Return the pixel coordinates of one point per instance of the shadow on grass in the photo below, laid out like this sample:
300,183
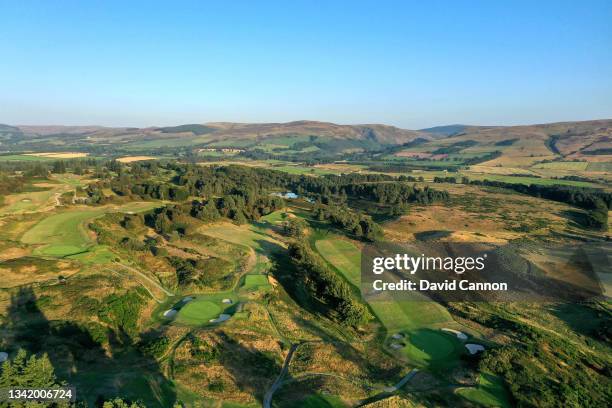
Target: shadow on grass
78,357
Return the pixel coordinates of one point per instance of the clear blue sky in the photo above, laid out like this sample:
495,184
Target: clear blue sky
410,64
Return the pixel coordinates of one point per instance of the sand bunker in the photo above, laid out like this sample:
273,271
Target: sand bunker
397,336
474,348
460,335
396,346
222,317
187,299
227,301
170,313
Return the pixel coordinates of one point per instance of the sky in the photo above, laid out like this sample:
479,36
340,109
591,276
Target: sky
411,64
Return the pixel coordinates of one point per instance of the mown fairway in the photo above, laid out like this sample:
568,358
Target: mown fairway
255,282
244,235
413,318
62,234
343,255
65,234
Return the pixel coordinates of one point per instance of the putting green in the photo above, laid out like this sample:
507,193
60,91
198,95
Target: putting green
199,312
426,345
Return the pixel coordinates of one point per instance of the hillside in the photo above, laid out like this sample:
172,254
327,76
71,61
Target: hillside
549,150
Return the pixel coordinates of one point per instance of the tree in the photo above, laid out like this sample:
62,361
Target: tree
32,372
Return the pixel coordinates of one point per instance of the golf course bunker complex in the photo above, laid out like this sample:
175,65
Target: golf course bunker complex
207,309
425,346
460,335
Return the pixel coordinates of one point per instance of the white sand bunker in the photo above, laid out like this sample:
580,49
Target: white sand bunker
396,346
227,301
460,335
474,348
222,317
170,313
3,356
397,336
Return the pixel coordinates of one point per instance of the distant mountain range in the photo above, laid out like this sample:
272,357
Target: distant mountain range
543,141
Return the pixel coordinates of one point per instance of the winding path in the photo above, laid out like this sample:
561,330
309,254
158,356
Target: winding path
267,402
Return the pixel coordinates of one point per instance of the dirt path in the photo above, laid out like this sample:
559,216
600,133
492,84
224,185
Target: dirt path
148,279
388,391
267,402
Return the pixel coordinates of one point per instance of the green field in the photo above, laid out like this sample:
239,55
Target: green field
23,157
561,165
603,166
344,256
490,392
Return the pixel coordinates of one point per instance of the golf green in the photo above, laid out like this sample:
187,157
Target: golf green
426,345
199,311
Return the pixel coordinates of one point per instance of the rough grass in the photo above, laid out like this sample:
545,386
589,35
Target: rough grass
315,401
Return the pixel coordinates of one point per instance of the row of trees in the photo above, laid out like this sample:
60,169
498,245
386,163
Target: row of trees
359,225
325,287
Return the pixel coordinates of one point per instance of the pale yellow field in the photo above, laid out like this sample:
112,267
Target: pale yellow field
131,159
59,155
